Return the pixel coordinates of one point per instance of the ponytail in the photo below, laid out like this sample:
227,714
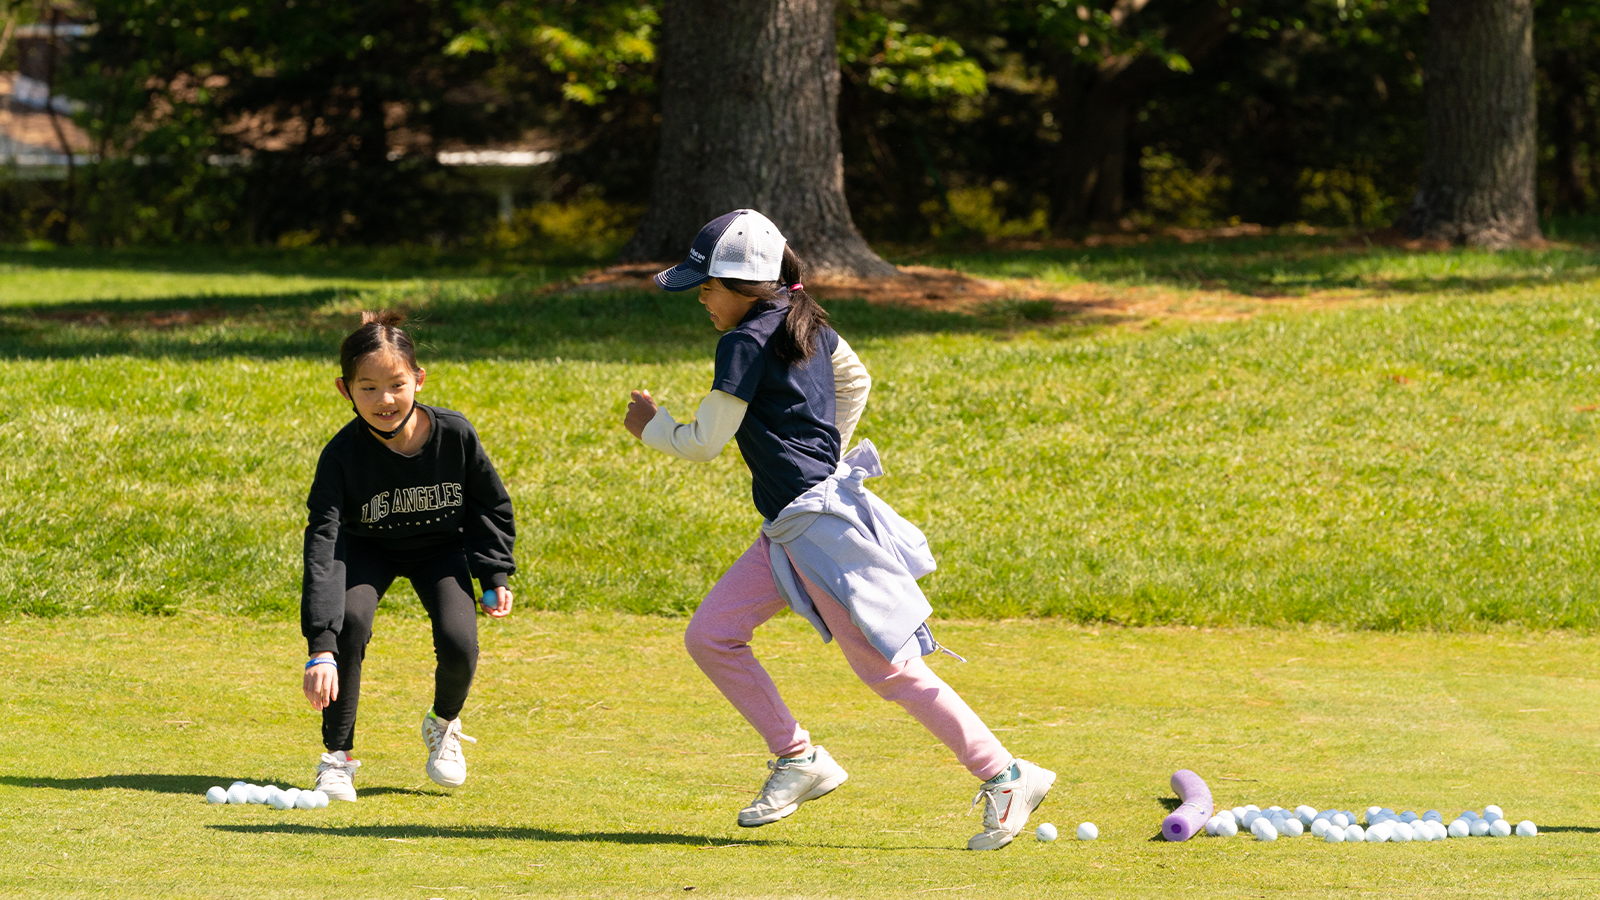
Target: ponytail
379,333
796,341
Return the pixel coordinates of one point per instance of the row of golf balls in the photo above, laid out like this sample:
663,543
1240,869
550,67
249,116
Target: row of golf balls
1383,824
243,792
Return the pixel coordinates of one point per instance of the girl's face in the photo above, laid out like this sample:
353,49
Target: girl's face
383,390
727,309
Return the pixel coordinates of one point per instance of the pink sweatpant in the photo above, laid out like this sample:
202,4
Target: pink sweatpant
718,639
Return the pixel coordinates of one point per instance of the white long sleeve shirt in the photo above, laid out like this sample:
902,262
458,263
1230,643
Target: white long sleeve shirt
720,414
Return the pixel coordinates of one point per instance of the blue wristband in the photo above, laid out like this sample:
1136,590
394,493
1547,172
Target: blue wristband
318,662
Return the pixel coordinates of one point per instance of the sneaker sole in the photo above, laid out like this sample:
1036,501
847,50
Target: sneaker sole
821,790
442,782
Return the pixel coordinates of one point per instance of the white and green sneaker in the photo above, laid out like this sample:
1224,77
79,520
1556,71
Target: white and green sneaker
336,776
446,765
792,782
1008,799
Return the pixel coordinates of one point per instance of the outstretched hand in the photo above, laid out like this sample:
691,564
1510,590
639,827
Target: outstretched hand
641,409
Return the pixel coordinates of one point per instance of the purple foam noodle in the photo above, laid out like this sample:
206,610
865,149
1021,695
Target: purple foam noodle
1192,814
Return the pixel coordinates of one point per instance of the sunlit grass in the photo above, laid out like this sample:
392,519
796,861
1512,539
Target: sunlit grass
607,766
1418,459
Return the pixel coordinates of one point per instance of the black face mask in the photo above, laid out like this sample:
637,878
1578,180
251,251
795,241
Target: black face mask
386,435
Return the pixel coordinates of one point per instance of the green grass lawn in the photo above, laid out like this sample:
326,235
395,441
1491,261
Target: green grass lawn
1417,451
1391,458
606,766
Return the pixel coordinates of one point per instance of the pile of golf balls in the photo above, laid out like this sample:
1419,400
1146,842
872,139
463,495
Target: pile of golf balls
243,792
1383,825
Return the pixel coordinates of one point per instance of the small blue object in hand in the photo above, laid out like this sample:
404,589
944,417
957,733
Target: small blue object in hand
490,600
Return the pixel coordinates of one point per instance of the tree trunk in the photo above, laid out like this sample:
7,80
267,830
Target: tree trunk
1094,105
1477,184
1567,130
749,101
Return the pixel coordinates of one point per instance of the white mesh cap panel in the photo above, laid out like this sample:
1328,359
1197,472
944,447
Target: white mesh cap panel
751,249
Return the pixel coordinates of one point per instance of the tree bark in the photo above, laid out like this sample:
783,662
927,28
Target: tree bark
1478,169
749,106
1095,103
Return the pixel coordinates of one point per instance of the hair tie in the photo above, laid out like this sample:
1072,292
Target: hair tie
797,286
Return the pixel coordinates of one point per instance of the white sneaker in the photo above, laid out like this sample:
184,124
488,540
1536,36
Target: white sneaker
336,776
446,765
1006,806
791,784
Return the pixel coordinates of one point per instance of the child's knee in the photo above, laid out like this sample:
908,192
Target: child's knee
705,640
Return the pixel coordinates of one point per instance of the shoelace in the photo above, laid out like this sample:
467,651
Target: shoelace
344,768
449,749
993,805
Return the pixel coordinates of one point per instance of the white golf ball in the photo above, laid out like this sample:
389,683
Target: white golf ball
237,783
1238,813
1469,815
1227,827
1264,830
1211,825
306,800
322,799
1408,817
1319,827
1376,834
1334,835
1480,827
1305,814
239,794
1402,833
279,800
1293,828
1251,807
258,794
1250,818
1088,832
1460,828
1526,828
1355,833
1433,815
1045,832
1372,811
1492,812
1340,820
1500,828
1228,814
216,795
291,795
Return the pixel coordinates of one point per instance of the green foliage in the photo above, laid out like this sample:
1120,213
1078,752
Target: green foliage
588,230
1176,194
895,59
595,49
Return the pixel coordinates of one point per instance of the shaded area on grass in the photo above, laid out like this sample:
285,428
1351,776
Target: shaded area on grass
1282,264
500,320
195,785
489,832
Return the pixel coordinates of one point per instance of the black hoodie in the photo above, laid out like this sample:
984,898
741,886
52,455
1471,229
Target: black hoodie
406,507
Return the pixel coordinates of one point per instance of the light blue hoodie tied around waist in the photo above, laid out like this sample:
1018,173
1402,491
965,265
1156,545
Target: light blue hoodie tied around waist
850,543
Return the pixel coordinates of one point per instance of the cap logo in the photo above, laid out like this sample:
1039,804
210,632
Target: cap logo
696,255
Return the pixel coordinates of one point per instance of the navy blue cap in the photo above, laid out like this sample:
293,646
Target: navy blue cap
753,251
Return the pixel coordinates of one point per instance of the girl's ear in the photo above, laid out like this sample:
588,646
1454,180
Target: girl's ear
422,375
343,391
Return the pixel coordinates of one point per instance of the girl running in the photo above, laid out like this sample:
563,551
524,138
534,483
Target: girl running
403,490
791,391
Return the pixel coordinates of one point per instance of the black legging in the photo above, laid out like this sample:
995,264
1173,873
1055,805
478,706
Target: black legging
444,585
